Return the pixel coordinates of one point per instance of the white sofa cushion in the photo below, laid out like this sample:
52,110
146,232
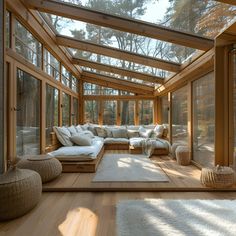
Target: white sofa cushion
72,129
63,135
81,140
145,133
119,133
78,128
116,140
133,133
158,131
101,132
136,142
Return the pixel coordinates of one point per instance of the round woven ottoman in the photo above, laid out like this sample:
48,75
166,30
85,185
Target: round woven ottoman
173,148
20,191
183,155
48,167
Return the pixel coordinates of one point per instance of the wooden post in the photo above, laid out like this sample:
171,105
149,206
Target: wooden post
2,90
43,118
190,118
170,116
136,113
118,111
81,101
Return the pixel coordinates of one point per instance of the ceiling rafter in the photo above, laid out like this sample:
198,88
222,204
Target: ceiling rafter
112,82
117,53
121,23
231,2
117,70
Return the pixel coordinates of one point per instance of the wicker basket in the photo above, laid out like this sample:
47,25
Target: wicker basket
218,177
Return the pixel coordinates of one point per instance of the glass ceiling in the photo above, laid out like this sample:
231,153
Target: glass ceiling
121,40
120,63
201,17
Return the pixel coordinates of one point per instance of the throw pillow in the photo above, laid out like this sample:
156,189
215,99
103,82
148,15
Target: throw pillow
63,135
158,131
145,133
85,126
72,129
101,132
87,133
133,133
119,133
109,132
81,140
79,129
92,128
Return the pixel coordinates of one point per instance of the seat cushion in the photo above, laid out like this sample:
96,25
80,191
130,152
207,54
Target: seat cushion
116,141
136,142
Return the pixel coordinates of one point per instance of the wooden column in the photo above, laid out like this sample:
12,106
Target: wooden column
43,118
81,101
100,112
221,105
136,113
2,91
190,118
170,116
118,111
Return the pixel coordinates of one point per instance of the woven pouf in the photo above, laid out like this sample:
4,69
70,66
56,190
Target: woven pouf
20,191
173,149
218,177
48,167
183,155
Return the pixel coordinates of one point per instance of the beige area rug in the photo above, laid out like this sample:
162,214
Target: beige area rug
176,217
128,168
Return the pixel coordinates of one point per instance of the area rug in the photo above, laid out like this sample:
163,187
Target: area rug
176,217
128,168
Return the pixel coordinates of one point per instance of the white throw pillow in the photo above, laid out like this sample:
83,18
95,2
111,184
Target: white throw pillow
85,126
79,129
81,140
133,133
63,135
119,133
145,133
72,129
87,133
101,132
158,131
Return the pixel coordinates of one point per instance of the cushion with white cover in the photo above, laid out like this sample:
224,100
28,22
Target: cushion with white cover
78,128
87,133
101,132
85,126
72,129
145,133
133,127
92,128
136,142
133,133
116,140
158,131
79,153
63,135
119,133
109,131
81,140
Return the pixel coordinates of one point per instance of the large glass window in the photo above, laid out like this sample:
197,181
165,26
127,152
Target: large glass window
180,115
74,84
204,120
27,114
109,112
51,115
66,113
145,112
65,77
27,46
75,116
8,30
165,110
51,65
127,112
91,111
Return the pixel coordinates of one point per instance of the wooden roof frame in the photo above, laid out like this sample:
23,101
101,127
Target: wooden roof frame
231,2
120,23
115,83
117,70
117,53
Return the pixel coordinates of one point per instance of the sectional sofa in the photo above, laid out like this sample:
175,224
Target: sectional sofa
80,148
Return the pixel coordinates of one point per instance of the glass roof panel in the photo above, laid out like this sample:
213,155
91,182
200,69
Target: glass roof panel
120,63
119,76
121,40
202,17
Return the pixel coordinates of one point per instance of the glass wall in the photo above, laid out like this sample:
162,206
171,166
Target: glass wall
165,110
66,113
204,120
27,46
91,111
109,112
75,116
145,108
8,28
51,115
74,84
51,65
127,112
65,77
27,114
180,115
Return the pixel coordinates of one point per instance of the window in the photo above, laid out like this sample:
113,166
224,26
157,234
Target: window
91,111
204,120
165,110
65,77
27,114
27,46
75,85
180,115
109,112
127,112
66,113
8,30
51,115
75,115
145,108
51,65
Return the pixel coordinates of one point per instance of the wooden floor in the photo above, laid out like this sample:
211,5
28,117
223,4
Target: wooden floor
182,178
84,214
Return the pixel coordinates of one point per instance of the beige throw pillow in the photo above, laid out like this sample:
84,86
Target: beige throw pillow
81,140
145,133
101,132
119,133
63,135
133,133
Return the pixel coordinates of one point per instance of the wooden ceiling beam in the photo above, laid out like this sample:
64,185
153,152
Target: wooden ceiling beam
111,82
120,23
117,70
231,2
117,53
